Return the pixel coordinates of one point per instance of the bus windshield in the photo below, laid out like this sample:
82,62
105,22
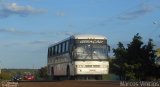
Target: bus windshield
91,51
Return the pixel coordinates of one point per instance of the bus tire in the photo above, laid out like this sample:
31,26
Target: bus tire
52,73
68,73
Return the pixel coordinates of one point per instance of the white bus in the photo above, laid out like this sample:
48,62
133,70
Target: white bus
79,57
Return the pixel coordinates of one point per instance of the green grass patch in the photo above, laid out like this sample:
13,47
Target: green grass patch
110,77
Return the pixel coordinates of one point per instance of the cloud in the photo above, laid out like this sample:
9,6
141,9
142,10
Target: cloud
60,14
66,33
14,31
7,30
40,42
136,13
14,9
12,43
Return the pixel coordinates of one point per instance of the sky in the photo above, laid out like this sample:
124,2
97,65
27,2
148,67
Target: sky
28,27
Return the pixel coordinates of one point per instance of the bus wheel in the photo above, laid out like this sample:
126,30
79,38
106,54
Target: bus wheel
68,73
52,73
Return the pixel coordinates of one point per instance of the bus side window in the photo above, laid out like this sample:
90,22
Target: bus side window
56,50
48,52
59,49
53,50
67,45
63,48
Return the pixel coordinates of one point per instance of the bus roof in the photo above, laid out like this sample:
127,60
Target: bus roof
88,36
82,36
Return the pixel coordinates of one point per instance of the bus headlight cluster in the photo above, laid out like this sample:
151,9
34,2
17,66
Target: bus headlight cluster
104,66
80,66
80,70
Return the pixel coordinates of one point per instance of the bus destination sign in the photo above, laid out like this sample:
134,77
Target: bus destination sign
92,41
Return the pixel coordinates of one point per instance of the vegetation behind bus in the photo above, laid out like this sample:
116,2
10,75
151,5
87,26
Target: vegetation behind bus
136,62
8,74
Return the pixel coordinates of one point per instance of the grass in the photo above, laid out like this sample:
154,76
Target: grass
110,77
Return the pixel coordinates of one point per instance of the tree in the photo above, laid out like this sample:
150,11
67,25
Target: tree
148,63
5,76
42,73
118,63
137,61
134,58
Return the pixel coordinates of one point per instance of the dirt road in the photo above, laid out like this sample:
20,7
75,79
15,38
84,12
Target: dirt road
70,84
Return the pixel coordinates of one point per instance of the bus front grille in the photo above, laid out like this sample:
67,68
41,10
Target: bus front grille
92,66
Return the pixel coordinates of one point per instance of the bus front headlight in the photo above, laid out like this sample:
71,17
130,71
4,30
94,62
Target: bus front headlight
104,66
79,66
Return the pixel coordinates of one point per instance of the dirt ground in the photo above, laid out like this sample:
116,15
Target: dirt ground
70,84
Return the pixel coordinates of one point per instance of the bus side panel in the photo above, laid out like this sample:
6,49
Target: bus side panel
60,65
61,69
